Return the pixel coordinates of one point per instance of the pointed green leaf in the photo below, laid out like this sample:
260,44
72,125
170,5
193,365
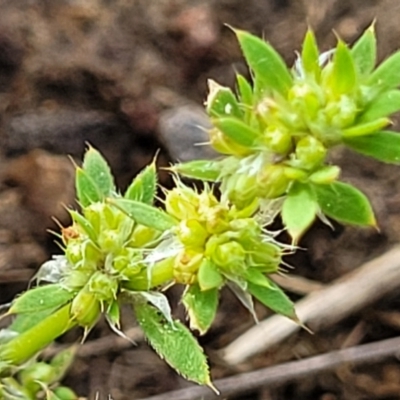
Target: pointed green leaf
221,102
86,190
256,277
270,71
237,130
245,92
345,203
113,314
143,188
387,75
342,78
208,275
201,307
366,128
274,298
96,167
299,210
174,343
23,322
199,169
364,52
383,105
41,298
310,55
383,146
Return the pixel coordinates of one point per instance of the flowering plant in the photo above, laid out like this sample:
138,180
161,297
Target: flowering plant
274,137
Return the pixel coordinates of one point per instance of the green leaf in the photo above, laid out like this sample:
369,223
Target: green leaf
366,128
23,322
221,102
383,146
208,275
273,297
310,55
270,71
143,188
299,210
41,298
201,307
256,277
342,78
387,75
61,362
345,203
84,224
96,167
237,130
245,96
364,52
174,343
384,105
86,190
144,214
199,169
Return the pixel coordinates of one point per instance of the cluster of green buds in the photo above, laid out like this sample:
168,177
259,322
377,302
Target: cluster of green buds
40,380
275,135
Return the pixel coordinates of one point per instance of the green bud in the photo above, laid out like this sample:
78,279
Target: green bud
325,175
85,308
241,189
143,236
77,278
36,374
74,252
103,286
65,393
217,220
295,174
192,233
272,181
278,140
186,265
225,145
309,152
230,257
265,255
247,229
182,203
110,241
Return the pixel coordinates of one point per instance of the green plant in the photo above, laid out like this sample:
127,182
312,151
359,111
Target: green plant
274,137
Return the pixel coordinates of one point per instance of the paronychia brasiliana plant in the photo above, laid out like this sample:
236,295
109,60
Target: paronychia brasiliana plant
273,135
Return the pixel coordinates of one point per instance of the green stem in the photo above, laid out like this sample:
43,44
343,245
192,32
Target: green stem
30,342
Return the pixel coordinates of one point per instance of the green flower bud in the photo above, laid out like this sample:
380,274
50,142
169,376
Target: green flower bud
77,278
182,203
241,189
225,145
110,241
295,174
143,236
186,265
272,181
325,175
74,252
265,255
36,374
94,214
247,229
278,140
230,257
309,152
343,112
103,286
192,233
216,221
306,99
85,308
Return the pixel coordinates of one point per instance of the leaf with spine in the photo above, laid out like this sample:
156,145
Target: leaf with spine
364,52
345,203
366,128
269,69
310,55
273,297
245,92
237,130
387,75
160,302
208,275
84,224
204,170
143,188
383,146
86,190
97,168
144,214
174,343
299,210
342,77
41,298
221,102
201,306
383,105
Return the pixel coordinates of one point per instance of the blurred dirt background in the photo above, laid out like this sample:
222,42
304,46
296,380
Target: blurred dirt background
129,77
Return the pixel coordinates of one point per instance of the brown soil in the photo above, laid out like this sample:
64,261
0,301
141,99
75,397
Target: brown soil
121,74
